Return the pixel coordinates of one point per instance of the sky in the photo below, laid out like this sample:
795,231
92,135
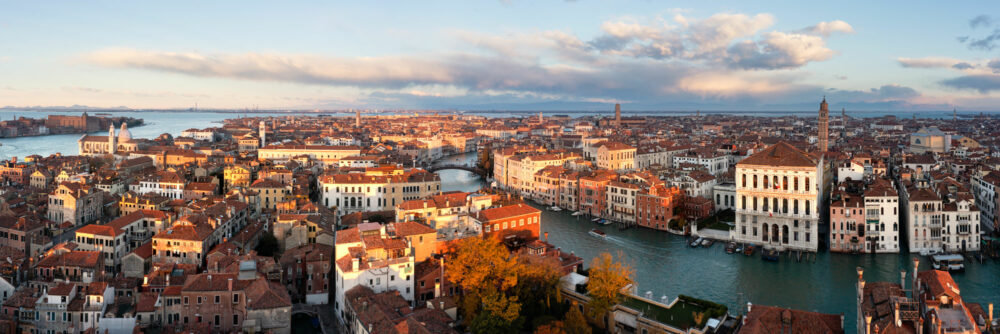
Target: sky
502,55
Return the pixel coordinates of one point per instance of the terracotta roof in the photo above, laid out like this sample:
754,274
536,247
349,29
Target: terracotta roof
405,229
506,212
780,154
770,319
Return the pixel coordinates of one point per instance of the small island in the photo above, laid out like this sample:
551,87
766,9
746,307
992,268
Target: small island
62,124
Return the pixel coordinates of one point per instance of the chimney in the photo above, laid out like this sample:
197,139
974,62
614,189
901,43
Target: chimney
230,287
895,316
437,290
441,303
868,323
915,289
989,316
354,264
546,236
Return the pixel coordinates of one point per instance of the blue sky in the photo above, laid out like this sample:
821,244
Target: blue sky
648,55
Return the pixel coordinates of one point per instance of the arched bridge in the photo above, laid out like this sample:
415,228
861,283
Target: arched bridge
474,170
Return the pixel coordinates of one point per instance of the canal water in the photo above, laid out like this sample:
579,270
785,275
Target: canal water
666,266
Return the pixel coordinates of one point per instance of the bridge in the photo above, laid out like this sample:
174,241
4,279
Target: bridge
474,170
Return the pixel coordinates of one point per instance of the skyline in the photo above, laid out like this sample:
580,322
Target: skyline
503,55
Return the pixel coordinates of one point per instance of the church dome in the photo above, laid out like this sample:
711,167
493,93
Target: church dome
124,135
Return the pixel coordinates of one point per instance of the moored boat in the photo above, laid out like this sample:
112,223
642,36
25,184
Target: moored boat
731,247
577,213
771,255
697,242
707,243
598,233
748,250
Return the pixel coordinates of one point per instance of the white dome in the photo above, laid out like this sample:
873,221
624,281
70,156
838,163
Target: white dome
124,135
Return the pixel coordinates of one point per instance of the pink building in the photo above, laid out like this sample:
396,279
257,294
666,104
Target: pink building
847,223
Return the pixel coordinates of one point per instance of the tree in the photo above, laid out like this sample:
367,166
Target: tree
482,264
500,314
555,327
486,272
607,278
268,245
575,322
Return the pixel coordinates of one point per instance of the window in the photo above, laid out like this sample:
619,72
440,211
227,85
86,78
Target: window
236,298
185,303
236,319
199,300
218,299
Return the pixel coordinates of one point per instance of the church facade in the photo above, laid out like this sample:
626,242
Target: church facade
111,144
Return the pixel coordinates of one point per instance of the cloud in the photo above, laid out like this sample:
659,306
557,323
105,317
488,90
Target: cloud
779,50
885,93
962,66
929,62
981,21
982,83
987,43
994,65
722,57
828,28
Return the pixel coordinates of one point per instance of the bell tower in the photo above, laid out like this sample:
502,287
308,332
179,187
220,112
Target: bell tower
112,144
824,122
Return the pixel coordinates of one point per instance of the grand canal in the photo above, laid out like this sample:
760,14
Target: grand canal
666,266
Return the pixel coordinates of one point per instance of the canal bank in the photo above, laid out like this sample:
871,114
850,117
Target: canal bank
665,265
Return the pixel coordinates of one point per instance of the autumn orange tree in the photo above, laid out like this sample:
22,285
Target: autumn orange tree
554,327
607,278
487,273
575,322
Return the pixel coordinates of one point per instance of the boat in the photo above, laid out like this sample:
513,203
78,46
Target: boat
948,262
598,233
697,242
929,252
707,243
748,250
578,213
731,247
596,220
771,255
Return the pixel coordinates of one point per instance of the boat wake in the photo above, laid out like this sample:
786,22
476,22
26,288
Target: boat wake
637,246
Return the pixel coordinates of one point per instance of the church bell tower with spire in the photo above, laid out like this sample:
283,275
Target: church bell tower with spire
824,122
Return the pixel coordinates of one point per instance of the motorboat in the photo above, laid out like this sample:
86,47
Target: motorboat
731,247
577,213
555,208
748,250
771,255
598,233
929,252
596,220
948,262
697,242
707,243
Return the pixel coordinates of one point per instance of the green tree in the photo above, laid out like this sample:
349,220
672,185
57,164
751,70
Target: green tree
607,278
268,245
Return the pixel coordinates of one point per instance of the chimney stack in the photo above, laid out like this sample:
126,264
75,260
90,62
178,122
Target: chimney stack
354,264
437,290
230,284
990,316
546,237
915,289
